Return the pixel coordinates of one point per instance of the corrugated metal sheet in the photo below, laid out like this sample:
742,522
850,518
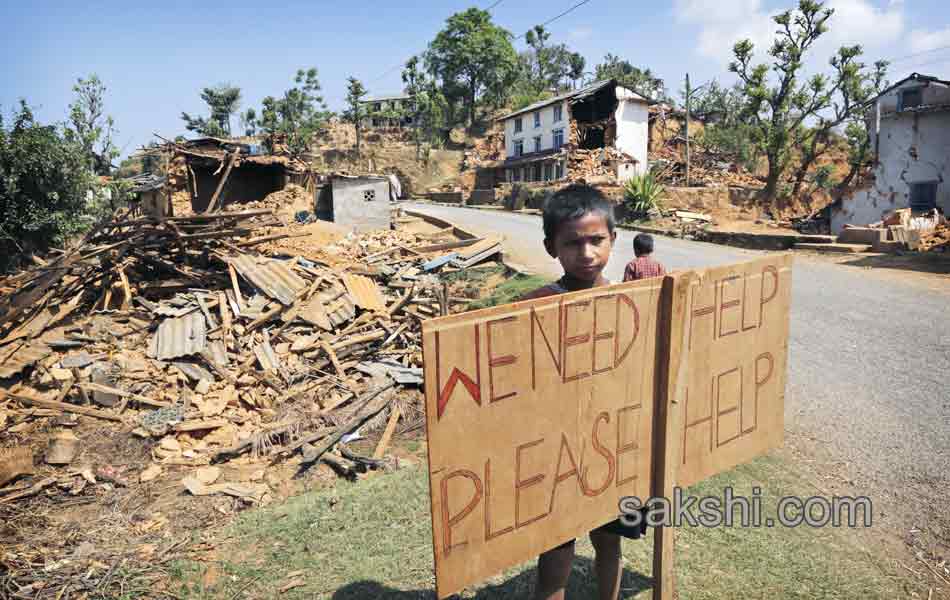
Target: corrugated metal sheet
266,356
339,310
19,357
272,277
179,336
365,292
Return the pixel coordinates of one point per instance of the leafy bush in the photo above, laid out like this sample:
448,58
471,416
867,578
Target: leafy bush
642,193
46,186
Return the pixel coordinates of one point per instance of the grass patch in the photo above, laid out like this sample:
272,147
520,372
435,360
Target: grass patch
510,290
372,539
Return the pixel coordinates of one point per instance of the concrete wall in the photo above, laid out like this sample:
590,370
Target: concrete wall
633,132
361,203
529,131
913,147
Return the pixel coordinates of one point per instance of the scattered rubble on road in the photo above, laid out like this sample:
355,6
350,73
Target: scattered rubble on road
904,230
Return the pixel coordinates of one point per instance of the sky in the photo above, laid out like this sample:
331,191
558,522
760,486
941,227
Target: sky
154,58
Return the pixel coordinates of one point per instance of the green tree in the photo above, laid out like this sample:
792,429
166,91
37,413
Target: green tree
779,111
414,80
356,110
642,81
45,185
90,127
249,121
223,100
298,114
547,67
472,57
727,134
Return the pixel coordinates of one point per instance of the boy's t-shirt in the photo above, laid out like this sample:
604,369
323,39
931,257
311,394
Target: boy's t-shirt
551,289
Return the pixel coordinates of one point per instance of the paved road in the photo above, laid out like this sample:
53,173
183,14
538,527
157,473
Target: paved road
868,393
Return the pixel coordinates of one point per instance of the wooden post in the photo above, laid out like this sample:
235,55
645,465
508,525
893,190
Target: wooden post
672,370
213,205
688,92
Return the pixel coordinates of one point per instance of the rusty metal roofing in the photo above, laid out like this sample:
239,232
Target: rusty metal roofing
179,336
17,357
271,277
365,292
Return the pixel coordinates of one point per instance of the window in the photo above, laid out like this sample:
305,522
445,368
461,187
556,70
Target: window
369,195
537,172
558,139
557,112
518,125
537,119
547,171
519,147
558,170
525,173
923,196
537,143
377,106
516,174
910,98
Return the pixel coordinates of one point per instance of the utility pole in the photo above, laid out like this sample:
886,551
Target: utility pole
688,92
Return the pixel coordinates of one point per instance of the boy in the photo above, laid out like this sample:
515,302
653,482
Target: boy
579,233
643,266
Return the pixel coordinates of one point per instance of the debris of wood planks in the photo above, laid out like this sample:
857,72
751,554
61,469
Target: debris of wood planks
205,344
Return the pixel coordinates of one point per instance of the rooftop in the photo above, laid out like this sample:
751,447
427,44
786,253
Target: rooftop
385,97
574,95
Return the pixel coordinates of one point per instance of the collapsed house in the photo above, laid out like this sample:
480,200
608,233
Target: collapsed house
217,172
597,132
909,130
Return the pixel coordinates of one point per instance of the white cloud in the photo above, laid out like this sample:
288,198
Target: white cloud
922,41
580,33
724,22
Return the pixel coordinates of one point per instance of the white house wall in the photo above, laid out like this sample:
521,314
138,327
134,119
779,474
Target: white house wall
529,131
632,118
914,148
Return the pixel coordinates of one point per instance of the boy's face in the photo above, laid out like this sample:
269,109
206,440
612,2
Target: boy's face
582,246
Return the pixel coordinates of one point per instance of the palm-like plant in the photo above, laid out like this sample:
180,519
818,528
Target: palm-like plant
642,193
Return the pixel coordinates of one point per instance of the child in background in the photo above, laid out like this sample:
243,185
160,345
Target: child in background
579,233
643,266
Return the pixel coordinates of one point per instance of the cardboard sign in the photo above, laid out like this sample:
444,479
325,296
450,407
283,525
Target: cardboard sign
539,418
541,415
737,341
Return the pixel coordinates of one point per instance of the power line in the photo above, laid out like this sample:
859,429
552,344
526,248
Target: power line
393,68
553,19
901,58
493,5
930,62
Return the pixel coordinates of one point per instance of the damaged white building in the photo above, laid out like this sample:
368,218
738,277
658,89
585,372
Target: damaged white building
599,130
909,130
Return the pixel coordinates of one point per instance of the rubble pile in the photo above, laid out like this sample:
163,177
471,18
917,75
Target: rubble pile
936,240
179,327
589,164
704,170
921,232
198,345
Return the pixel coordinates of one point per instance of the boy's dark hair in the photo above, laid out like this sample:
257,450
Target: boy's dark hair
643,244
573,202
